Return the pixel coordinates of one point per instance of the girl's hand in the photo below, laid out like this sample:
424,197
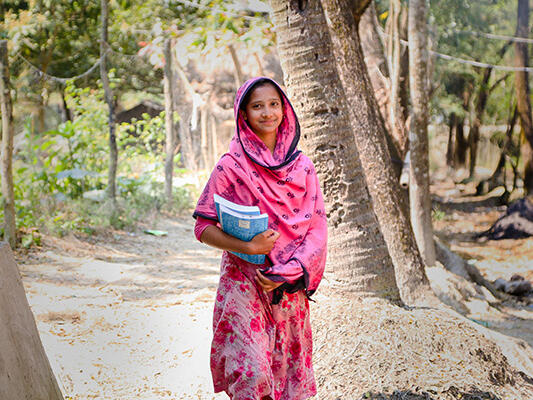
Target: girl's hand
265,283
263,242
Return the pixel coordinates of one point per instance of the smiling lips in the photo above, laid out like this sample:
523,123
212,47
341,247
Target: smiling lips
268,122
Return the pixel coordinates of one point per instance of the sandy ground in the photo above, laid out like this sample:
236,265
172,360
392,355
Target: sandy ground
128,315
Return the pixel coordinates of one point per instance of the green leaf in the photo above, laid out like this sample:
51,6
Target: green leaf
156,232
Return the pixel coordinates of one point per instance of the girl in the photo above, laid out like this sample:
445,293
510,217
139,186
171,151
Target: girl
262,344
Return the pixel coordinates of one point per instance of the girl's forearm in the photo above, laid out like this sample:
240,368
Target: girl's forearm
215,237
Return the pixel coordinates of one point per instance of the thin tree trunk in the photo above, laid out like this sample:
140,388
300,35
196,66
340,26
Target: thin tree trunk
170,141
481,102
204,140
8,132
396,115
188,152
375,158
214,139
41,112
259,64
239,77
358,259
523,94
108,94
404,71
26,371
379,76
419,196
452,123
66,111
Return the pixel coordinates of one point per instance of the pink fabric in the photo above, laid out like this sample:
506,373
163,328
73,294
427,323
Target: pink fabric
201,224
260,348
284,185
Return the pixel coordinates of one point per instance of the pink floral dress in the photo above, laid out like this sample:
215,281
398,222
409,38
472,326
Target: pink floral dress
262,342
259,349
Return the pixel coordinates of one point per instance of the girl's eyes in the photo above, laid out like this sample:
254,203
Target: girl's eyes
273,104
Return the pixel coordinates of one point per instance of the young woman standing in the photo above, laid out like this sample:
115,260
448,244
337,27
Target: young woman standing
262,344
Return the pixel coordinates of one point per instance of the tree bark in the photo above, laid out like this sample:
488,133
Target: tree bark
379,76
8,132
108,94
358,259
204,139
523,94
170,140
239,77
370,140
25,371
473,135
419,196
183,86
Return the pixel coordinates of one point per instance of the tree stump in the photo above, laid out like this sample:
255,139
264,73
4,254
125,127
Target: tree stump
25,371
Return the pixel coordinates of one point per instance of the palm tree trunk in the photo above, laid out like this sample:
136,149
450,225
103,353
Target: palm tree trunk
358,259
369,133
419,196
522,94
8,132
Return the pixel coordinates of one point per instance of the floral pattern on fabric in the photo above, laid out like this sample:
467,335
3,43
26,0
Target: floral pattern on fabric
259,349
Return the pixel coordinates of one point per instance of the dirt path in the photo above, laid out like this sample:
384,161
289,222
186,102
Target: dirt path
126,317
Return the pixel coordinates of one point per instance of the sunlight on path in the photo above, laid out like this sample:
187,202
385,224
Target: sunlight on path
127,330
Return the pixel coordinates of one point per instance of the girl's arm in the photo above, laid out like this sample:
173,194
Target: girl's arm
260,244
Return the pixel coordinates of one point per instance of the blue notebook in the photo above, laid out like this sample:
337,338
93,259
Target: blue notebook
243,222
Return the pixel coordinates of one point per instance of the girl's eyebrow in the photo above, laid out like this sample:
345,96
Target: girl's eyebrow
260,101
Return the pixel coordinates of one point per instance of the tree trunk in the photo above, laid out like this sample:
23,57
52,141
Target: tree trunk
419,196
379,76
8,132
259,64
522,94
65,111
170,140
113,152
239,77
452,122
481,102
188,153
204,140
25,370
214,139
358,259
370,140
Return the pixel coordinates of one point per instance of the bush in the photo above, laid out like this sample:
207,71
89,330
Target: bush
60,176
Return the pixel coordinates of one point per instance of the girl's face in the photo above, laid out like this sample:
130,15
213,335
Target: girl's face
264,111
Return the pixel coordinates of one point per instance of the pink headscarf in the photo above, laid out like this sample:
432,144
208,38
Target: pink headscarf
283,184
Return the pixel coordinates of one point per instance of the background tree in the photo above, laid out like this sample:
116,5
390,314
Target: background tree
108,95
419,196
523,93
8,196
357,251
170,139
370,138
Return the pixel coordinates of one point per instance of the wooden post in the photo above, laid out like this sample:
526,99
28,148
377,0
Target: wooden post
170,142
108,94
25,371
8,196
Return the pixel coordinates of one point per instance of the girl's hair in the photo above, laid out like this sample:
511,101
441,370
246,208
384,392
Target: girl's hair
259,83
